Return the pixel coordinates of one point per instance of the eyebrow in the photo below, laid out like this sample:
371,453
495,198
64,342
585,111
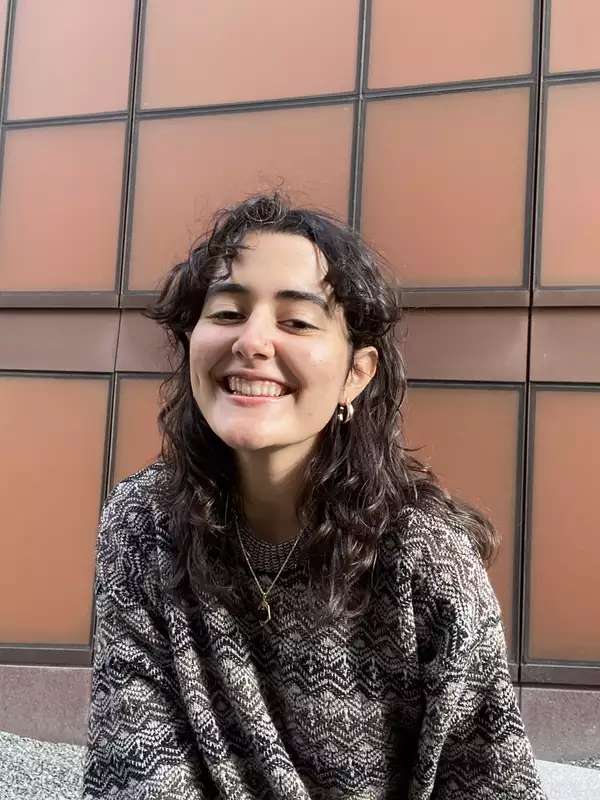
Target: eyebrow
284,294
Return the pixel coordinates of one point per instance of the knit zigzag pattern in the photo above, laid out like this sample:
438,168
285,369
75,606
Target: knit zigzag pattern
414,700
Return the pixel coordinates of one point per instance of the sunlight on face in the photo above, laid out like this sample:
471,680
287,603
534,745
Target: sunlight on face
262,328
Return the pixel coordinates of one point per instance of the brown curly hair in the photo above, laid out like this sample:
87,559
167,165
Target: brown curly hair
360,477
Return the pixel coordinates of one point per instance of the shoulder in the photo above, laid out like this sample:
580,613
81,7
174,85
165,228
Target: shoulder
426,538
440,560
126,554
138,490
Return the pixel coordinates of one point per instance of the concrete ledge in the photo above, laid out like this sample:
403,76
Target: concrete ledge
49,704
562,724
564,782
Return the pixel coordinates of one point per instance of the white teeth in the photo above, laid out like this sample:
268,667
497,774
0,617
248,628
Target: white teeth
254,388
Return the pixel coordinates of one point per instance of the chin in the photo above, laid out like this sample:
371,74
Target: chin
247,440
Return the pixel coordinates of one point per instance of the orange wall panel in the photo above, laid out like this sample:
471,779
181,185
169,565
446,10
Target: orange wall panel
53,435
60,206
3,18
470,438
570,243
415,42
565,519
226,51
574,35
74,60
137,440
188,167
444,186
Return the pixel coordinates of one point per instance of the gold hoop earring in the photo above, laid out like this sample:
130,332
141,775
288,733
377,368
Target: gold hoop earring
345,412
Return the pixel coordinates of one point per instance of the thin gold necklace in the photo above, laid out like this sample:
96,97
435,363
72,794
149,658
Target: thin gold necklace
264,609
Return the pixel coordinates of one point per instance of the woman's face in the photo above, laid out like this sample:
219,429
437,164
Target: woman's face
269,356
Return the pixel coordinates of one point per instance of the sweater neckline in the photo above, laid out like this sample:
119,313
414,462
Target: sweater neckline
268,556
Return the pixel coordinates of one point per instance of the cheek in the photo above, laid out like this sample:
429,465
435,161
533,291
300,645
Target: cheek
325,371
205,352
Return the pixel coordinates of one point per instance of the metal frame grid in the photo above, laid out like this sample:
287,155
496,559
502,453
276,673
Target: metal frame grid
528,295
360,97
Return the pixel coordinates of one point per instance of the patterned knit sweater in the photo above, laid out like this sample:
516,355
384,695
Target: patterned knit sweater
413,700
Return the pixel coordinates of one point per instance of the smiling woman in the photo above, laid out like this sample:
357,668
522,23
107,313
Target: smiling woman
274,319
289,604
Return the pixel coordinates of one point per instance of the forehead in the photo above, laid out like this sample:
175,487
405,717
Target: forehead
276,263
281,258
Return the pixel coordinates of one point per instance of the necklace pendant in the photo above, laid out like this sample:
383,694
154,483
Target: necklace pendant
264,611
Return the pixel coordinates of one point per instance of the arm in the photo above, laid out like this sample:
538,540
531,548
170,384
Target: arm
472,742
140,745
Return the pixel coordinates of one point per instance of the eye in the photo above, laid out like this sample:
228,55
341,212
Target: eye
234,316
299,324
225,315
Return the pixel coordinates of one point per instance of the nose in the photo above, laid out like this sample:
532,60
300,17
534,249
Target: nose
255,339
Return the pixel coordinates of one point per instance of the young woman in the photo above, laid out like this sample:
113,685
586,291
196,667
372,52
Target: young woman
289,605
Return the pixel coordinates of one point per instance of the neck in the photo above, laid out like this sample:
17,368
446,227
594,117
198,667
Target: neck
270,484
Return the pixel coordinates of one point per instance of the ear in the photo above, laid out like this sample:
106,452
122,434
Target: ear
363,368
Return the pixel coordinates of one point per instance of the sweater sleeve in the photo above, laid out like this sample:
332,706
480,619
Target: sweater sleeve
140,745
472,742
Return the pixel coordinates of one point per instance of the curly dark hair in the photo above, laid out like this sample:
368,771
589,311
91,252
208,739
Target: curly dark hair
359,478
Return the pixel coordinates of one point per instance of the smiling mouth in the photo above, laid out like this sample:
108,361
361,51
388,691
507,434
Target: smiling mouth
260,389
